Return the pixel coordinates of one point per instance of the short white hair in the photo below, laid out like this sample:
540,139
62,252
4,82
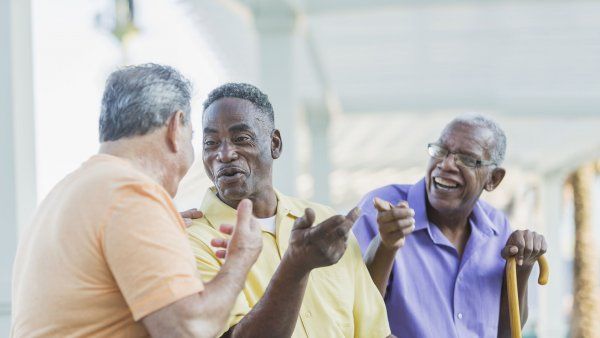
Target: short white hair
473,119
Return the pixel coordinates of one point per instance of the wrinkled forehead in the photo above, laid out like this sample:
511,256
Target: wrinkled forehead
229,111
467,138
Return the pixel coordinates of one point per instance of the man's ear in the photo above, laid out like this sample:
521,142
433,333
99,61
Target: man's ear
276,144
174,128
495,179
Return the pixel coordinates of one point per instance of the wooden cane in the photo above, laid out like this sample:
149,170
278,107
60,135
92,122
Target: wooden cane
513,295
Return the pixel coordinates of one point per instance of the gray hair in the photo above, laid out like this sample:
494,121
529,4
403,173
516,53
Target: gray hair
139,99
243,91
498,151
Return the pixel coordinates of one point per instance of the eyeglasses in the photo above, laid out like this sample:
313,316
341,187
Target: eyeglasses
438,152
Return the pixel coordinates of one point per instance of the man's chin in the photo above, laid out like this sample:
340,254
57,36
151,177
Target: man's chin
232,193
443,206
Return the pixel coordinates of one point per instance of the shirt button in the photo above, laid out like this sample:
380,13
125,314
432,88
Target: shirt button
459,315
307,315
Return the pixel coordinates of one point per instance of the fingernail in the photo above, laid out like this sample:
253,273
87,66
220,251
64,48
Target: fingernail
246,204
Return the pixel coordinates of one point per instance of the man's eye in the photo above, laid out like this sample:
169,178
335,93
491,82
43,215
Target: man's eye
468,160
242,139
440,153
209,143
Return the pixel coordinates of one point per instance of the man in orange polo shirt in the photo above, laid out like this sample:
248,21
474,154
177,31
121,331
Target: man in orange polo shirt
107,254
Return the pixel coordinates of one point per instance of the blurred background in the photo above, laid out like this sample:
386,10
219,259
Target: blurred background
359,88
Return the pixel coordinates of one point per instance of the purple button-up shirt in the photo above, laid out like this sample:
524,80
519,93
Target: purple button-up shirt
432,292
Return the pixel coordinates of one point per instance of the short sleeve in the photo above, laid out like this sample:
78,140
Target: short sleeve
209,266
147,251
370,314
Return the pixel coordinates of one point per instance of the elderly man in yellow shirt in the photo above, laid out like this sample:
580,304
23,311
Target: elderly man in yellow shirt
310,280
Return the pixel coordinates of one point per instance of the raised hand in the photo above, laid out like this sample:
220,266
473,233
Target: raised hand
526,246
321,245
394,222
246,238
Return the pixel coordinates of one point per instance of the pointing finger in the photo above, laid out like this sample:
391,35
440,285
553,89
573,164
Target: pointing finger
381,205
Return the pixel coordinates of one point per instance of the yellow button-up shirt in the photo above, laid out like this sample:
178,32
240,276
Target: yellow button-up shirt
340,300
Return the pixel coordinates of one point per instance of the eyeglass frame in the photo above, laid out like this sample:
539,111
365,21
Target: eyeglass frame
478,163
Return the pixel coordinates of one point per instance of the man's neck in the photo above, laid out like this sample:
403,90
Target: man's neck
265,205
145,158
455,227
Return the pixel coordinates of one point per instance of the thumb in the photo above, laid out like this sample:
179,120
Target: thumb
509,250
381,205
305,221
244,214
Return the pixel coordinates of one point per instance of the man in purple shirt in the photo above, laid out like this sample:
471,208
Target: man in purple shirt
447,278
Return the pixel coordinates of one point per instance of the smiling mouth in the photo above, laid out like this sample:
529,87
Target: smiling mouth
444,184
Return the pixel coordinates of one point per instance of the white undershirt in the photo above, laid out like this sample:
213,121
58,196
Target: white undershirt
267,224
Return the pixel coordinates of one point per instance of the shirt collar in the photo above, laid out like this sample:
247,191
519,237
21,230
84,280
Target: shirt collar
481,220
286,207
417,200
217,212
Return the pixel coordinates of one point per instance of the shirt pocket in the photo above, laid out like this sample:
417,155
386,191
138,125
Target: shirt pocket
334,291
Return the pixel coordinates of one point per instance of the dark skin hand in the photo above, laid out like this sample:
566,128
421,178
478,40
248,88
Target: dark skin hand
190,215
526,246
310,247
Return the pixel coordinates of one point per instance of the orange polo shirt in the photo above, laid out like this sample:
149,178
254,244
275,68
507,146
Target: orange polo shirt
106,248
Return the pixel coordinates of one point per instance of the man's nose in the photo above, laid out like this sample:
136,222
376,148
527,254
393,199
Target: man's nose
227,153
448,163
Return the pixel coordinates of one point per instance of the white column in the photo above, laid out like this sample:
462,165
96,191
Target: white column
17,148
552,318
317,116
275,22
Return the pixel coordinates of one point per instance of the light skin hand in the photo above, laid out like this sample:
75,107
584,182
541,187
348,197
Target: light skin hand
222,243
205,314
329,238
246,241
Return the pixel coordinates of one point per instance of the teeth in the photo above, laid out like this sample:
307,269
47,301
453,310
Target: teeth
445,183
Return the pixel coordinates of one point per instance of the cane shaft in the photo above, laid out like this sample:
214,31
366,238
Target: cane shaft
513,298
513,291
